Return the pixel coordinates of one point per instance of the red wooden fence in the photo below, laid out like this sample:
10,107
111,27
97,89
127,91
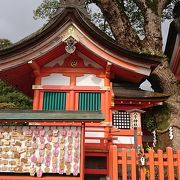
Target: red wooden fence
125,164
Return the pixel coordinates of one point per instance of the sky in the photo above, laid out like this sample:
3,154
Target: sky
16,19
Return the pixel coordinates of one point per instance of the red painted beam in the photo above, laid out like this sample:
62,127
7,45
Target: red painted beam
96,171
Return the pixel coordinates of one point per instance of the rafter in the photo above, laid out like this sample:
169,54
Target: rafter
35,67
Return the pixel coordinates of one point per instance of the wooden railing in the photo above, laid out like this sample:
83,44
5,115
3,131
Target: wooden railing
127,164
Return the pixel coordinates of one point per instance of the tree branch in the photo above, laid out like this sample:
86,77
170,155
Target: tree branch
162,5
119,23
152,25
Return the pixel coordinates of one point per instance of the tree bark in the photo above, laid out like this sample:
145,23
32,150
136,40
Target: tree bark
119,24
152,12
169,84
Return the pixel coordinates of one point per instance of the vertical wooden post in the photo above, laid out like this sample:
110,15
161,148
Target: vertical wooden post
178,163
139,136
76,100
160,165
133,164
41,99
124,164
68,100
72,97
103,103
151,165
36,99
142,173
82,158
135,115
110,162
170,163
107,104
113,162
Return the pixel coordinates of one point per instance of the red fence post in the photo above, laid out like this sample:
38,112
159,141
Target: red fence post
158,160
160,165
133,164
110,162
170,163
124,164
82,152
113,162
178,163
142,173
151,165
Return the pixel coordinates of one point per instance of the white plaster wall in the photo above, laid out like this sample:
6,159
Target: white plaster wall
56,79
93,134
124,140
59,61
89,80
88,61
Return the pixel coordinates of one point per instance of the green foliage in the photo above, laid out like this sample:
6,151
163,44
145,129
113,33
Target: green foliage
10,98
99,20
5,43
135,16
149,121
168,12
47,9
156,117
162,116
7,106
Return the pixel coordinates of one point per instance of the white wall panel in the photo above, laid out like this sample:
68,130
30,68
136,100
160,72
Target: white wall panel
89,80
56,79
124,140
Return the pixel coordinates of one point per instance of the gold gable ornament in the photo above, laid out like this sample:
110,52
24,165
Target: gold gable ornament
70,45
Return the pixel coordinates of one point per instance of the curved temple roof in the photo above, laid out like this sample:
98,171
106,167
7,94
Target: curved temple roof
50,41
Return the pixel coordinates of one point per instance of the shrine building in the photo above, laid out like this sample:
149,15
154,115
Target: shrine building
86,99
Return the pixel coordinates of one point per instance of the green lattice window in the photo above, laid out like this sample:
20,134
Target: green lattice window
89,101
54,101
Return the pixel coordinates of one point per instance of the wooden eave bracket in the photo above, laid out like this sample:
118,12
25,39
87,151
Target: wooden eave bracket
34,87
108,69
35,67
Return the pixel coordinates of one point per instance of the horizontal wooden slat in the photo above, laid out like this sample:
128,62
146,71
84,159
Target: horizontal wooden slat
96,171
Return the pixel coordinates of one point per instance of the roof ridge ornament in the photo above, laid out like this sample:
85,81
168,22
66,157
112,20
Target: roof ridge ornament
78,4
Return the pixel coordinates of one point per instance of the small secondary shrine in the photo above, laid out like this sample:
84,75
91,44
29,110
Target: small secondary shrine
85,99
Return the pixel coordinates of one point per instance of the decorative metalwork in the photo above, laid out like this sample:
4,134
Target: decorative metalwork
73,63
70,48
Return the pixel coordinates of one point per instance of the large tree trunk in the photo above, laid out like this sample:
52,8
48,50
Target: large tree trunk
169,84
152,44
